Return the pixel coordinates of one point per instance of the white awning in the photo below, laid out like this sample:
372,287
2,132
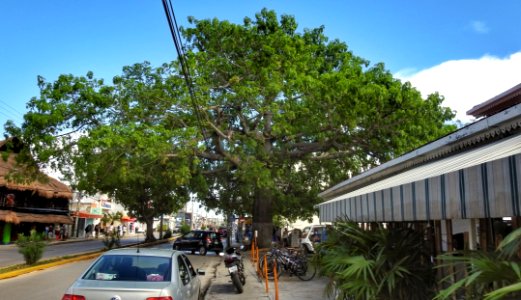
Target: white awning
468,159
479,183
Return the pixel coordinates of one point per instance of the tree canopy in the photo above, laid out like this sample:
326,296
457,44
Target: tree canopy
275,116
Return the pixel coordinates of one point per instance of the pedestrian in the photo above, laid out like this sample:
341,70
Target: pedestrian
97,230
51,231
88,231
46,232
57,232
63,232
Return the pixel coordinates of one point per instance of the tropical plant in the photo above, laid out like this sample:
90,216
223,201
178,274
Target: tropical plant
110,218
168,234
185,228
380,263
485,275
31,246
111,239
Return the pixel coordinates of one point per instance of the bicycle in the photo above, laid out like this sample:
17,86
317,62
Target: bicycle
289,261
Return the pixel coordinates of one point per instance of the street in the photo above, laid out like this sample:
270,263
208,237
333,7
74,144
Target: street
51,283
9,253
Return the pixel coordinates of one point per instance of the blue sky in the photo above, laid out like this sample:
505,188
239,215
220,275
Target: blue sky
469,51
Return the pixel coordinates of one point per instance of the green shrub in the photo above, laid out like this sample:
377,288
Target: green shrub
482,274
380,263
165,227
31,247
185,228
167,234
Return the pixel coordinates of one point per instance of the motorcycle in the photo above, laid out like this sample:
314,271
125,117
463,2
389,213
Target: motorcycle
233,262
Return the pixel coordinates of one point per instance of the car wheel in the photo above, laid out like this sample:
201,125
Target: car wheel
202,250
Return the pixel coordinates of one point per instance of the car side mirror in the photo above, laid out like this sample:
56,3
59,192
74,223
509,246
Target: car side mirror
201,272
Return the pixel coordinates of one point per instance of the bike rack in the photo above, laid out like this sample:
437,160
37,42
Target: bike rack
263,274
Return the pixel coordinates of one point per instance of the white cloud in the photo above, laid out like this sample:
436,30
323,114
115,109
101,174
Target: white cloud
469,82
479,27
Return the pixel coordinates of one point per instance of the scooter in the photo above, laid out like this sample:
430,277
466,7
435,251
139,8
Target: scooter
233,262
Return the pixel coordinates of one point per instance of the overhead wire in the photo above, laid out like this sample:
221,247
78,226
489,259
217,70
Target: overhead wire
10,112
176,36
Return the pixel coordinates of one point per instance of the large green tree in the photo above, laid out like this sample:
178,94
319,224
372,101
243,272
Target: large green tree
278,113
117,139
289,113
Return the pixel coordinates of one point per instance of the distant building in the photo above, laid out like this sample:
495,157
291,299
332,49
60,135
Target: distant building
28,205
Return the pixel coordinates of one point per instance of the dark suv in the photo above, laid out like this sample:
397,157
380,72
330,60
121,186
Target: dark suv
199,240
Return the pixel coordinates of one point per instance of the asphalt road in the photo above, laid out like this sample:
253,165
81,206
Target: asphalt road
9,253
51,283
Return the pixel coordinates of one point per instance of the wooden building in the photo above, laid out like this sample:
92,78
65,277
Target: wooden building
27,205
465,186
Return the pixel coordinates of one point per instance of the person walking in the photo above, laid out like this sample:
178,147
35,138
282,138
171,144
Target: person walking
97,230
63,233
57,232
88,231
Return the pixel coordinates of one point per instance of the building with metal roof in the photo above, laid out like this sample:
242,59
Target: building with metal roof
466,184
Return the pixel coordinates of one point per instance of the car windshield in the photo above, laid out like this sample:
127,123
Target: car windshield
130,268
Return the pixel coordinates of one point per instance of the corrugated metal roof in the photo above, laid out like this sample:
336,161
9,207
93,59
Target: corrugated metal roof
490,152
461,140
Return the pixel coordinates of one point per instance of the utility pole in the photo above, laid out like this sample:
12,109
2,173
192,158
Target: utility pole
75,231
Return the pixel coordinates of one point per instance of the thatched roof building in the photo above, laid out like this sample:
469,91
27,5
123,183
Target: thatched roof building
31,192
50,189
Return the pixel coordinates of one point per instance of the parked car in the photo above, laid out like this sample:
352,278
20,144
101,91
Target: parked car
143,273
311,235
201,241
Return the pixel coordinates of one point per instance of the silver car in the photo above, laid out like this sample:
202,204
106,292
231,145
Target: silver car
132,274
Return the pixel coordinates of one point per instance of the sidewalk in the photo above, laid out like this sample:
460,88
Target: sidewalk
290,288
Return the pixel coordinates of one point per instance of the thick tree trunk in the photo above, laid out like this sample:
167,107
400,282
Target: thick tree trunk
263,217
150,230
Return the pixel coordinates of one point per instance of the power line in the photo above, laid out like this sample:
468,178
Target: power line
11,108
174,30
10,112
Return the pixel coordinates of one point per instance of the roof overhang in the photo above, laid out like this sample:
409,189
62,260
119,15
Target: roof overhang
463,160
19,217
498,103
128,219
86,215
477,134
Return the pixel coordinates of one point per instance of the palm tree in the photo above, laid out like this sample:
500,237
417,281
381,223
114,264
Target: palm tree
381,263
111,238
487,275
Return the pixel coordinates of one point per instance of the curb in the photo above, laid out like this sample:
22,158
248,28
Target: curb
25,270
